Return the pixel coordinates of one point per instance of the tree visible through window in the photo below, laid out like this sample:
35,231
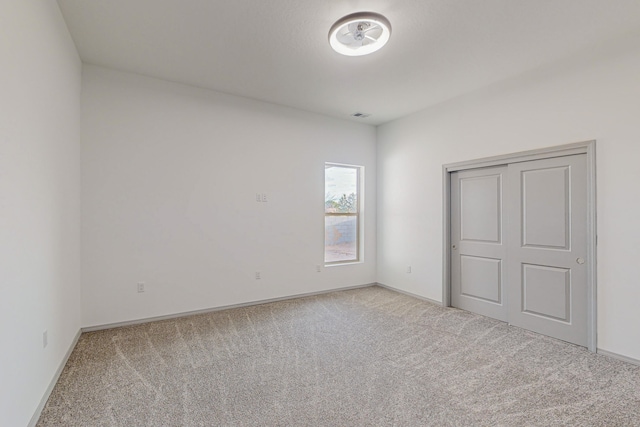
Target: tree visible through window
341,213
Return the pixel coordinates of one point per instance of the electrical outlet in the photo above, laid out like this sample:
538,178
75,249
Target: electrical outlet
140,287
264,197
257,275
409,269
258,197
45,339
318,268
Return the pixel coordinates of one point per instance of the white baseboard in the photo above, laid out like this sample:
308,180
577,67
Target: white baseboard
391,288
54,380
618,356
213,309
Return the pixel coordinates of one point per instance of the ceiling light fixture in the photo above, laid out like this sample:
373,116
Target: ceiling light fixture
360,33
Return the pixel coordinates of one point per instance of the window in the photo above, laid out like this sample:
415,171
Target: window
341,213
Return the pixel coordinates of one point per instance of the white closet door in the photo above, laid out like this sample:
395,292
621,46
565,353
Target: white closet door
547,247
478,244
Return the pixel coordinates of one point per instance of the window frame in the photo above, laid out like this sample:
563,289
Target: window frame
358,214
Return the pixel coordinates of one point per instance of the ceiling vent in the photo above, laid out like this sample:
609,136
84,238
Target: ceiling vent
360,115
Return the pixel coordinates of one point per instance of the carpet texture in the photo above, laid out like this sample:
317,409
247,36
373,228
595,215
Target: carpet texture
364,357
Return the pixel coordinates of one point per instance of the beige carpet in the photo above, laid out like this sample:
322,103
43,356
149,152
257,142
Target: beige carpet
366,357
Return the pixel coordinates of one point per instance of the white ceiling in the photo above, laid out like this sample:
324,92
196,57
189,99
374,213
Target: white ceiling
277,50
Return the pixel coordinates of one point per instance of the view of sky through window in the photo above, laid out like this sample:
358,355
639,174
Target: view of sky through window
339,181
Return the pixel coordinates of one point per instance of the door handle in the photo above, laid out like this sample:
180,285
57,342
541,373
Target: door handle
580,261
454,247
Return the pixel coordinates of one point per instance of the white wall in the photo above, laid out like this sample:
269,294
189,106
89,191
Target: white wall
39,202
169,178
578,100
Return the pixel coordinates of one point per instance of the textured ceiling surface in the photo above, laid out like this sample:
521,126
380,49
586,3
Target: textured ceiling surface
277,50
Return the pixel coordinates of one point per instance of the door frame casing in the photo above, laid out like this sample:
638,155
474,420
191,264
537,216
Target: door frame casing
586,147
